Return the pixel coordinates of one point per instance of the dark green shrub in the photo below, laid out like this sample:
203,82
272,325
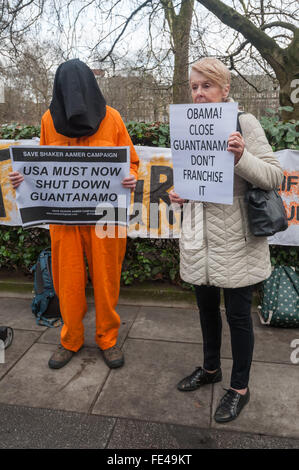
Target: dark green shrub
151,259
280,134
19,248
285,255
155,134
16,131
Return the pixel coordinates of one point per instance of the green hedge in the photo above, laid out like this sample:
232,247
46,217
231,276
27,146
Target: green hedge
280,134
19,248
146,259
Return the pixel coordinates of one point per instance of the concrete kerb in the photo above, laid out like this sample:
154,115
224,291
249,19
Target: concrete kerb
146,294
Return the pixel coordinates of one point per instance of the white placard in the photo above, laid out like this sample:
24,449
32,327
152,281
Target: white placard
71,185
203,168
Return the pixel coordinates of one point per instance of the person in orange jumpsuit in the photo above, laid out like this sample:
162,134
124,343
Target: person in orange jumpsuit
78,116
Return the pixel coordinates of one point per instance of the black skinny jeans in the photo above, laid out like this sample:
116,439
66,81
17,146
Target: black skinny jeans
238,312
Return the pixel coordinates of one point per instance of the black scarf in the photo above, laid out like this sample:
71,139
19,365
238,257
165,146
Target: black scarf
78,106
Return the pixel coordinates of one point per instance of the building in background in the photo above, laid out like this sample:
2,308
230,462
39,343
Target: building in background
137,97
255,100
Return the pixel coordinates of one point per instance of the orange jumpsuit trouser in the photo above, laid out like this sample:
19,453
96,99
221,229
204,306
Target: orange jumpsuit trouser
104,256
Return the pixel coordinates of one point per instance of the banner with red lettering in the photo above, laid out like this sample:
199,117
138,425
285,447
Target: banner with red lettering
289,191
150,212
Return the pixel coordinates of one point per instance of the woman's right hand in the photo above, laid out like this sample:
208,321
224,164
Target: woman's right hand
16,179
175,198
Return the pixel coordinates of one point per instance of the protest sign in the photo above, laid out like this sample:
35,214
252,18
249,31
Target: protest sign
71,185
203,168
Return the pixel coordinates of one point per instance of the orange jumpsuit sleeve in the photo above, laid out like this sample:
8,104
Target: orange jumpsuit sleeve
125,140
42,139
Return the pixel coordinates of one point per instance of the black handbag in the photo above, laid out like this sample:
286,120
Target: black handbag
266,212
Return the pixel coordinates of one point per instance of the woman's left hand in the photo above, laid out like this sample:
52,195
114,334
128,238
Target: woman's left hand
236,145
129,182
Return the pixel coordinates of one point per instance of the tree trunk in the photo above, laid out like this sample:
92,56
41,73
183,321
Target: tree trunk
289,83
180,26
284,62
180,90
286,93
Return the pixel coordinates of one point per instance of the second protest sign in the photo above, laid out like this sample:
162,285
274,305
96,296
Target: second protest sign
203,168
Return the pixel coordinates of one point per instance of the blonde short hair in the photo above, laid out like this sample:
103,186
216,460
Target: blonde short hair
213,69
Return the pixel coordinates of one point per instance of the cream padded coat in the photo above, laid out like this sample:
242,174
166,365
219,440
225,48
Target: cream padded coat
216,246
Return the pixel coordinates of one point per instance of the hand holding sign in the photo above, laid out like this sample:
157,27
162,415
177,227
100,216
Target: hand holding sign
16,179
129,182
175,198
236,145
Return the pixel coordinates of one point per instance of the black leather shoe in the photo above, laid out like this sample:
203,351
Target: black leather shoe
198,378
230,406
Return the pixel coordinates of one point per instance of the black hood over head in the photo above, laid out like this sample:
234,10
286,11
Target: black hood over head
78,106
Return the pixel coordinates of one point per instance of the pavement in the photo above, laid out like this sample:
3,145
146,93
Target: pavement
85,405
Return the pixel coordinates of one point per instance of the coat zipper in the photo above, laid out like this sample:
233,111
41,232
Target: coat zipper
206,239
243,219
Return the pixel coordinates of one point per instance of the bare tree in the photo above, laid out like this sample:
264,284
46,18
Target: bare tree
28,78
170,31
169,25
180,27
178,16
270,27
16,18
105,32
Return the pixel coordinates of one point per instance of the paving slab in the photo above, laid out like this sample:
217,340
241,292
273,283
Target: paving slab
146,387
169,324
274,344
74,387
177,324
133,434
17,313
22,341
274,405
127,316
270,345
33,428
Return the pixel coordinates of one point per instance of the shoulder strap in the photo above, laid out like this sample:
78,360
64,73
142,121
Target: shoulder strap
293,277
43,261
44,272
238,122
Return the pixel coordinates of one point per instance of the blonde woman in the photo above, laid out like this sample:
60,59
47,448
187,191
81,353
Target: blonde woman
228,255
